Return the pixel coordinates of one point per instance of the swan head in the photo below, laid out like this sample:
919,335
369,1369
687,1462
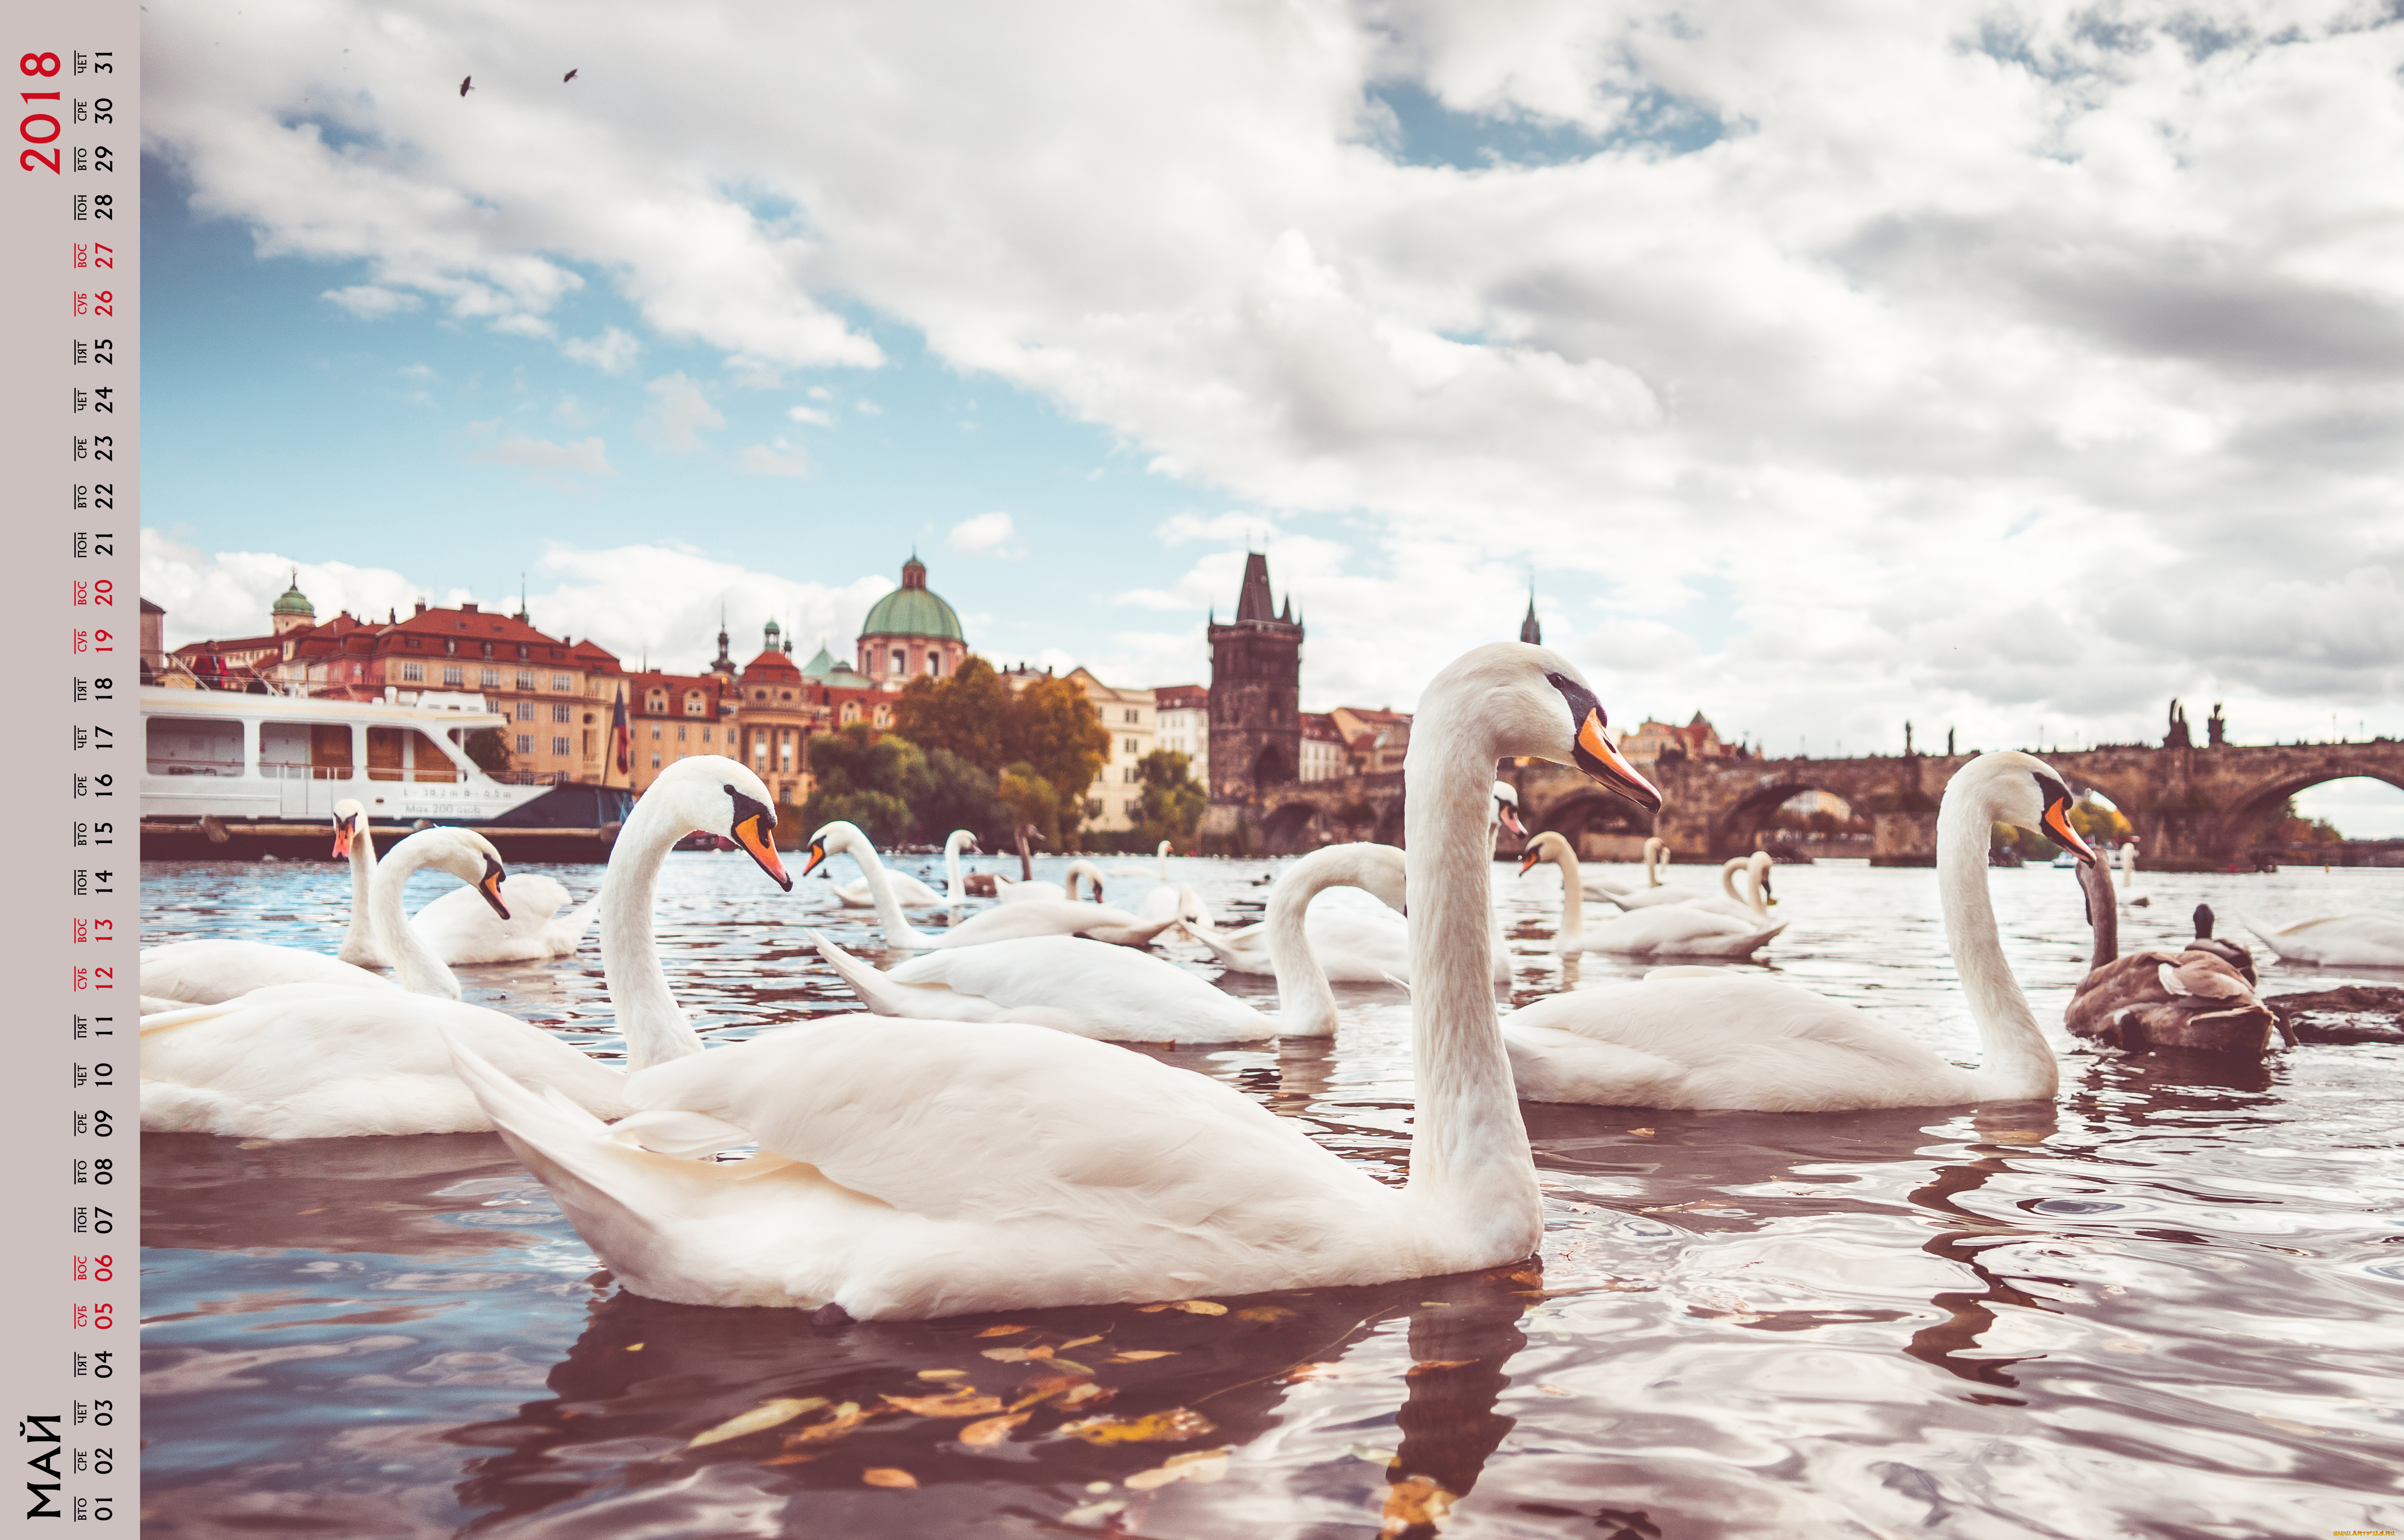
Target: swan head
348,815
2024,791
1547,845
466,855
838,838
1534,703
718,796
1506,809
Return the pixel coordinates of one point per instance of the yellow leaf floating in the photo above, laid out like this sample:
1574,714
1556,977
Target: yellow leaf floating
839,1421
1413,1503
942,1374
1004,1331
1431,1366
1071,1390
1140,1355
1641,1133
1200,1465
1076,1342
1007,1356
1302,1372
963,1402
992,1431
634,1347
1264,1312
1190,1307
1173,1426
768,1414
886,1476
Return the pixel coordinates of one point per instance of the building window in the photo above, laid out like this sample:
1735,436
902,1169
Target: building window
785,751
885,716
760,753
525,710
1130,746
656,703
488,653
412,673
453,674
693,704
523,654
563,681
900,661
559,747
934,664
705,733
526,743
489,678
655,762
561,713
1131,715
525,680
679,732
655,732
451,646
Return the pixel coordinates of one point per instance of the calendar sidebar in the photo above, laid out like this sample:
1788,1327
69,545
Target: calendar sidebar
70,240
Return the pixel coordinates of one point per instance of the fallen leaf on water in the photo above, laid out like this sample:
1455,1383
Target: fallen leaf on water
1435,1303
801,1458
1007,1356
993,1430
1089,1513
1140,1355
1173,1426
1084,1395
942,1374
1414,1501
1200,1465
963,1402
1004,1331
1038,1353
1264,1312
1062,1390
1430,1366
1527,1276
1068,1363
839,1421
1076,1342
1641,1133
765,1415
1374,1455
634,1347
307,1212
1190,1307
886,1476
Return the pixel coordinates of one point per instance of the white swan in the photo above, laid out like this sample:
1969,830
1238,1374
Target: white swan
2357,940
916,1168
1072,983
1602,890
208,972
1655,893
459,926
1752,907
1708,1039
2129,895
1128,869
304,1061
908,891
1692,930
354,842
1042,889
1030,916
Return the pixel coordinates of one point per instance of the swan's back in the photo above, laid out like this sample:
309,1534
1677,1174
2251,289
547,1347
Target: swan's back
207,973
1149,996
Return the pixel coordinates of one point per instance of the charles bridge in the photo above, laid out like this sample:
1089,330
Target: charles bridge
2192,808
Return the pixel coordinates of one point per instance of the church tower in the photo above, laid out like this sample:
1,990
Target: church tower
1255,692
1530,631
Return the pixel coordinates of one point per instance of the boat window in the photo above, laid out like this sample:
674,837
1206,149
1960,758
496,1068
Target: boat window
404,753
193,746
305,750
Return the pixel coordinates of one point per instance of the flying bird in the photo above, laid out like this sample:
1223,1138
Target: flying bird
463,83
569,75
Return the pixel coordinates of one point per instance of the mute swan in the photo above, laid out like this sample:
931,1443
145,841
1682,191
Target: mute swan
1031,916
2232,953
1655,893
304,1061
2188,1000
1603,890
1729,1040
1032,889
2357,940
2130,897
908,891
208,972
917,1169
1128,869
1754,910
458,926
1072,983
1662,930
353,841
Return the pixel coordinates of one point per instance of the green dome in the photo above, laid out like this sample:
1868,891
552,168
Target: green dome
294,602
913,610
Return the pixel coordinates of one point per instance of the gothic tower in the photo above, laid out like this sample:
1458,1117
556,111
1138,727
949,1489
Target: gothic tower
1255,692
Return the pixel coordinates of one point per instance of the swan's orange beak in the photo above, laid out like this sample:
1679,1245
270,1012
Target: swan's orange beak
491,886
817,856
342,838
2057,828
1528,862
1601,757
752,835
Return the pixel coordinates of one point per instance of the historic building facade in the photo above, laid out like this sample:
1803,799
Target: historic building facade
1255,691
1115,800
911,633
1182,715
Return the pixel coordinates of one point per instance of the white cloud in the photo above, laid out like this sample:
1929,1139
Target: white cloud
809,415
585,458
783,459
678,415
368,302
2004,367
987,535
871,408
614,352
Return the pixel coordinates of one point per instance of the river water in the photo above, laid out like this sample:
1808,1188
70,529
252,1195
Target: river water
2166,1304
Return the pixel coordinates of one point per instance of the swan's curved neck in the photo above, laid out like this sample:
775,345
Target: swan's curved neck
954,890
2015,1064
413,962
1657,855
897,931
1163,861
2102,913
655,1026
363,865
1751,899
1572,893
1469,1148
2128,857
1306,1004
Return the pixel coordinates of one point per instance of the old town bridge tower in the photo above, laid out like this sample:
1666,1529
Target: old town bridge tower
1255,692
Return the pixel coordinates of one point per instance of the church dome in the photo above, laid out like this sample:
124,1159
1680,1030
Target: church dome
294,602
913,610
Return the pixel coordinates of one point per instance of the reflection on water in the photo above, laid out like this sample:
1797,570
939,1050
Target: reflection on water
2164,1305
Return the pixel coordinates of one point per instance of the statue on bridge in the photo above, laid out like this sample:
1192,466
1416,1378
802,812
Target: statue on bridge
2177,736
2215,728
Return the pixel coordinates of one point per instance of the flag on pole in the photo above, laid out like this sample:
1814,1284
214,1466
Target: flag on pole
622,737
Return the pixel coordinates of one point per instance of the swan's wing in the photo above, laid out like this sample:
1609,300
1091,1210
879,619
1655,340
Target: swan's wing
894,995
206,972
1092,987
954,1121
1027,917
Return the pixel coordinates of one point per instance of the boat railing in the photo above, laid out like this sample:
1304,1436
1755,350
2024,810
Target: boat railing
307,772
423,772
530,777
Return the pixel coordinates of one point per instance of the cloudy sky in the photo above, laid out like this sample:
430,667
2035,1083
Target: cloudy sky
2010,368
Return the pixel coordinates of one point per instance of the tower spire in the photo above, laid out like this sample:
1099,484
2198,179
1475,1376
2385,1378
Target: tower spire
1530,630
